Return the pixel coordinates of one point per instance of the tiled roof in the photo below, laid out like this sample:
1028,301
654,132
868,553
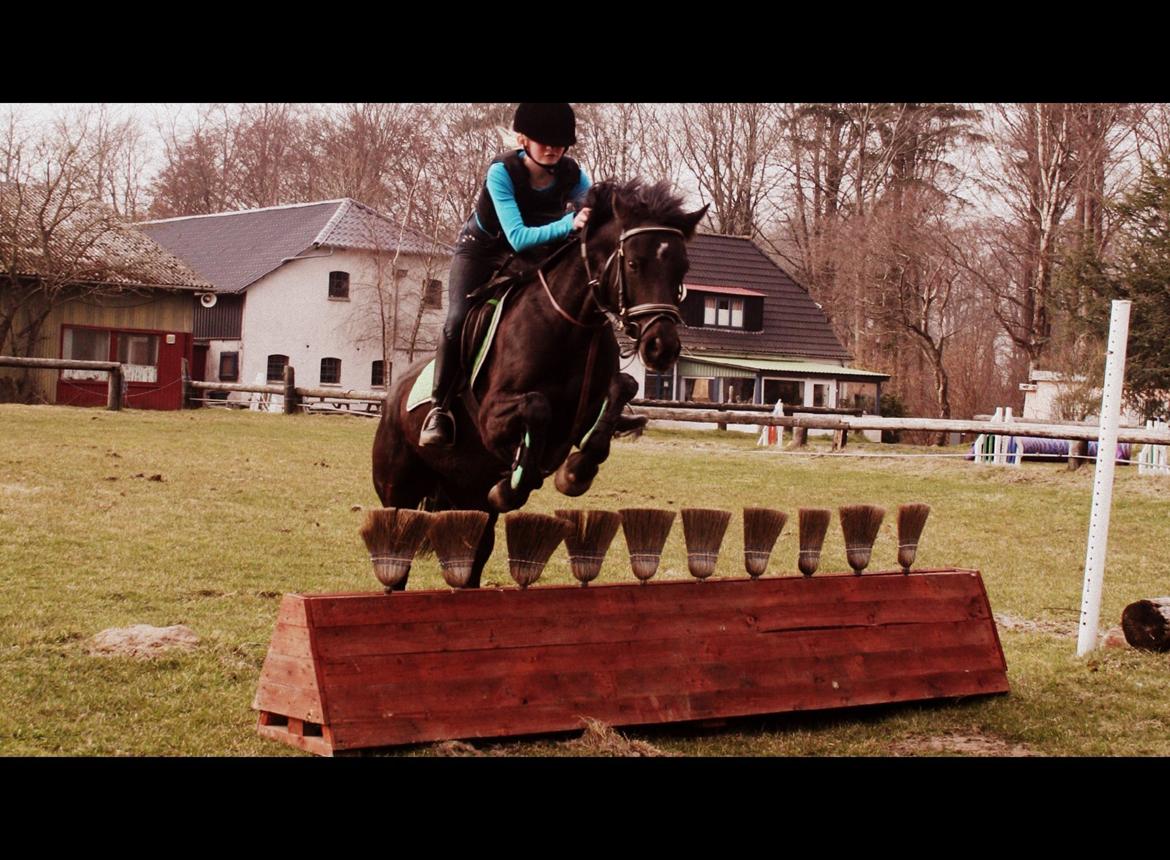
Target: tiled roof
793,324
235,249
116,254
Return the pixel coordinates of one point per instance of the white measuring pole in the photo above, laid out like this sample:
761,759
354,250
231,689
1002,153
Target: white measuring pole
1103,477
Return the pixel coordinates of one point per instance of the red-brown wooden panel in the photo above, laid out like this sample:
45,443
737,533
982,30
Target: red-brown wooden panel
422,666
668,708
592,683
665,597
542,629
413,668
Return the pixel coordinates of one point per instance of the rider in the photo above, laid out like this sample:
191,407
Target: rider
522,205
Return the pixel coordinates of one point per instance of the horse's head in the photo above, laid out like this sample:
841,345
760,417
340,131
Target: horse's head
637,257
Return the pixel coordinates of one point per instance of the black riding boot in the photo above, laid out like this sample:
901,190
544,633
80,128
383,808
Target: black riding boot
438,427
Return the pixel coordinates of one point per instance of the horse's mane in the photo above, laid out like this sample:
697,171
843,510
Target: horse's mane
639,203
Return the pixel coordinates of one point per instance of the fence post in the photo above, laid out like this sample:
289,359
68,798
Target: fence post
114,393
1078,451
290,392
799,437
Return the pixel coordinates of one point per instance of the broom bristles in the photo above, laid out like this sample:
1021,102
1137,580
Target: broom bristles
703,530
860,524
813,524
911,521
588,540
761,528
455,536
646,530
531,540
392,536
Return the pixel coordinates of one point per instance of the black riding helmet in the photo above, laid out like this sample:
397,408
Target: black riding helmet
550,123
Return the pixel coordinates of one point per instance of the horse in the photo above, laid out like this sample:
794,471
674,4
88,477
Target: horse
553,378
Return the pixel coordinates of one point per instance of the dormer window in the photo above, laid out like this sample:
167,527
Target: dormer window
339,286
733,308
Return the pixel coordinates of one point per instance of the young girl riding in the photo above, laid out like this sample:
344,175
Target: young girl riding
522,205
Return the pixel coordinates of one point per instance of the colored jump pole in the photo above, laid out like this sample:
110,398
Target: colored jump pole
1103,477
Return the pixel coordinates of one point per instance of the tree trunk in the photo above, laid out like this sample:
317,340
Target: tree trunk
1147,624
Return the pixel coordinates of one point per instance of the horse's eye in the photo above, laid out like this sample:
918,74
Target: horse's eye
633,265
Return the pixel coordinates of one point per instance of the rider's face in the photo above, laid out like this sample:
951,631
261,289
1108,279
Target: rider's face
543,153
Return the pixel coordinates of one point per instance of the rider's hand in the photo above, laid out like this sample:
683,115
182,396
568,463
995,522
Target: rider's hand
582,219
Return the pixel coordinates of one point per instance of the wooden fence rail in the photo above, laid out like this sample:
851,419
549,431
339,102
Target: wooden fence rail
842,423
115,382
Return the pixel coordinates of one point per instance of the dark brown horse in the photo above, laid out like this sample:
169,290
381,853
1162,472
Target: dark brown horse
552,379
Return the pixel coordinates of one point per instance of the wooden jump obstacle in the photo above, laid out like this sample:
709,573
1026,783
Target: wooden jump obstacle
353,671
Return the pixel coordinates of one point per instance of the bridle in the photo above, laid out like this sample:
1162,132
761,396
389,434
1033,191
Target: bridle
636,320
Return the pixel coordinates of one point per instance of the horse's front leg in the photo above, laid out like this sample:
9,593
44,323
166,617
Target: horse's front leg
517,426
580,468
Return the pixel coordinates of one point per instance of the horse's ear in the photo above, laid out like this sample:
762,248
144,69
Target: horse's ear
691,220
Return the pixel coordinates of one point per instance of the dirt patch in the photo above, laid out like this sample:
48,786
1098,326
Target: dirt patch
597,740
142,641
16,490
958,745
1031,625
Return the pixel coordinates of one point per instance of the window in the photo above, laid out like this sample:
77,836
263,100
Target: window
276,365
229,366
85,344
791,391
820,394
378,373
698,389
659,386
739,390
330,371
139,356
433,294
339,285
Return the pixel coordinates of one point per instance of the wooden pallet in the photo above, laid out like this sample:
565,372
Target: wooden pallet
350,671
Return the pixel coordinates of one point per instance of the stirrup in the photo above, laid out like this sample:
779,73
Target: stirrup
438,429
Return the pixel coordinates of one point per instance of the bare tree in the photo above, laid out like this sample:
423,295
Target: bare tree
732,150
57,242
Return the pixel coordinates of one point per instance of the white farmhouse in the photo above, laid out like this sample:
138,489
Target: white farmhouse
315,285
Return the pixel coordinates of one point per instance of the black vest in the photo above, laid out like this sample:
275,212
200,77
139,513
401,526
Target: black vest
537,208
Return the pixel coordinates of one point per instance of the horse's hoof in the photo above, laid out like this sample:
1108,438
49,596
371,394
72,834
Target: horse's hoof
500,498
569,484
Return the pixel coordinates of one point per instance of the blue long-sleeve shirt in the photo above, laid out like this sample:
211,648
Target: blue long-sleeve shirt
519,235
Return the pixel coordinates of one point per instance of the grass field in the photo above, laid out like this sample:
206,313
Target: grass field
252,506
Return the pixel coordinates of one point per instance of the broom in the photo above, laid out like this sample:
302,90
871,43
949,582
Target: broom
455,537
703,530
392,536
588,541
813,524
645,530
531,540
911,520
761,527
860,524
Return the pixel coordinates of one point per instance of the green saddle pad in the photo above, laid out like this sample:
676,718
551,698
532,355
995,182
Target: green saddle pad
420,392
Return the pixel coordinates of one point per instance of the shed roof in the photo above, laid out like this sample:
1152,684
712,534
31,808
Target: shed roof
236,249
88,243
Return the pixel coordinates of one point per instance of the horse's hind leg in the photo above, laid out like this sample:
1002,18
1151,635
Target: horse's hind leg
580,468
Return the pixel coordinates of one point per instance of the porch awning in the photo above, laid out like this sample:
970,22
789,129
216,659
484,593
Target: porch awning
783,367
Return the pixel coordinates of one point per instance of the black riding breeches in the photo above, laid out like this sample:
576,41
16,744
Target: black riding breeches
477,256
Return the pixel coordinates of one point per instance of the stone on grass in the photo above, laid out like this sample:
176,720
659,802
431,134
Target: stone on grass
1114,637
142,641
